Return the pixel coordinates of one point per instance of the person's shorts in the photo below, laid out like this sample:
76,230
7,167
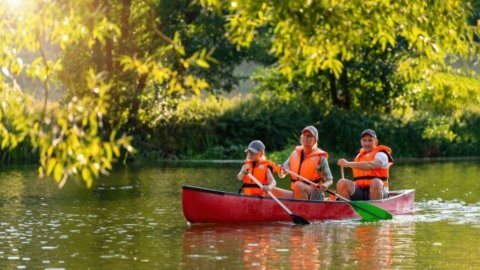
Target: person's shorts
316,195
363,194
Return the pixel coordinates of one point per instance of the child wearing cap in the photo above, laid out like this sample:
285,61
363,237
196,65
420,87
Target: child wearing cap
261,168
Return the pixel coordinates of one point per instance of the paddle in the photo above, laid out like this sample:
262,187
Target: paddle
365,210
296,219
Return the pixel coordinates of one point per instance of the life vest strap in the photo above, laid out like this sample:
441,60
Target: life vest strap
250,186
315,181
245,185
370,178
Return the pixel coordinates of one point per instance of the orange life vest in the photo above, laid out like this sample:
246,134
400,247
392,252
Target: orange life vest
364,178
260,173
308,167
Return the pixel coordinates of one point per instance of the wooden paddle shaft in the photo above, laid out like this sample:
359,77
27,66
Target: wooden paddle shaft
270,193
301,177
313,183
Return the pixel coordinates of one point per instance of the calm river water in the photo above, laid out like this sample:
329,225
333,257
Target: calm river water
133,220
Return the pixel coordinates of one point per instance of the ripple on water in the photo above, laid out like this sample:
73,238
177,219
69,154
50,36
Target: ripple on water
49,247
456,212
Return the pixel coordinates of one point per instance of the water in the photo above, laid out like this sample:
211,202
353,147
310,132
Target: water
133,219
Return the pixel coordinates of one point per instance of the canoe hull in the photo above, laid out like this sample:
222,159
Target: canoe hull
201,205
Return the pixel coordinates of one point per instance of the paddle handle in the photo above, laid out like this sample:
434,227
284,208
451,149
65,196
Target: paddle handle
270,193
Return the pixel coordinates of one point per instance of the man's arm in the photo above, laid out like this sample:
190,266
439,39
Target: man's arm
378,162
363,165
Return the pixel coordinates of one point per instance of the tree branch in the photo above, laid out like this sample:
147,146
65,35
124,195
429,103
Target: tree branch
47,84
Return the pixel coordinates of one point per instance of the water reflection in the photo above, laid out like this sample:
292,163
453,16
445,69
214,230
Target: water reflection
274,246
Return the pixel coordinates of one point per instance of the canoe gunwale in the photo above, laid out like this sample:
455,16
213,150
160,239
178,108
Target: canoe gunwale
396,194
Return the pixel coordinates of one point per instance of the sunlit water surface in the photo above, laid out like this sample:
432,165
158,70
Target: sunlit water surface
133,219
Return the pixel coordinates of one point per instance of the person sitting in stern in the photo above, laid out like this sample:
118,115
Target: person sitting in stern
370,171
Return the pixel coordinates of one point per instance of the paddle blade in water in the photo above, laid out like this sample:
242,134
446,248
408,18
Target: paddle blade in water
370,212
299,220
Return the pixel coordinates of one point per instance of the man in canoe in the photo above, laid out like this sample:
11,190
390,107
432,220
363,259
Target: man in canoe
310,162
261,168
370,171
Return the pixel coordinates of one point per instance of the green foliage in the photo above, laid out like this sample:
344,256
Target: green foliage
438,129
186,130
369,83
267,118
110,56
354,54
445,94
419,134
218,128
221,129
204,28
316,35
69,139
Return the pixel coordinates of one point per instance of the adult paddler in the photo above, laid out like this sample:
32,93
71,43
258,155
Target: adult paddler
310,162
370,171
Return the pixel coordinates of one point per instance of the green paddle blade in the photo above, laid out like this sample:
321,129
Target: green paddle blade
370,212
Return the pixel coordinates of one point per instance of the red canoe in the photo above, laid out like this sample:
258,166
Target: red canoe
202,205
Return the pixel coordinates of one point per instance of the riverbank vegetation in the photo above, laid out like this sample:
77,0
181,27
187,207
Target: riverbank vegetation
89,83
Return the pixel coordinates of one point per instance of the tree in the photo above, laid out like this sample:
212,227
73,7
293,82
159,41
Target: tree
111,56
318,37
369,82
204,28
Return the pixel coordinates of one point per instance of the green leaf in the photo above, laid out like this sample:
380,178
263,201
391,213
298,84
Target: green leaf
58,172
202,63
5,142
51,165
309,68
108,150
116,150
87,177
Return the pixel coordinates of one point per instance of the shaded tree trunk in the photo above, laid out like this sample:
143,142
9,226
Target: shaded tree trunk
125,19
344,99
133,118
124,29
97,49
108,43
333,89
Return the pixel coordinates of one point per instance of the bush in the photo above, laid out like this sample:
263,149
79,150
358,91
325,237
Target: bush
214,128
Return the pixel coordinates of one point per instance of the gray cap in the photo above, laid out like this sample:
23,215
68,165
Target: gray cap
369,131
312,130
256,146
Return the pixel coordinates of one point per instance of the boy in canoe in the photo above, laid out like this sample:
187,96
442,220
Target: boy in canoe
370,171
261,168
